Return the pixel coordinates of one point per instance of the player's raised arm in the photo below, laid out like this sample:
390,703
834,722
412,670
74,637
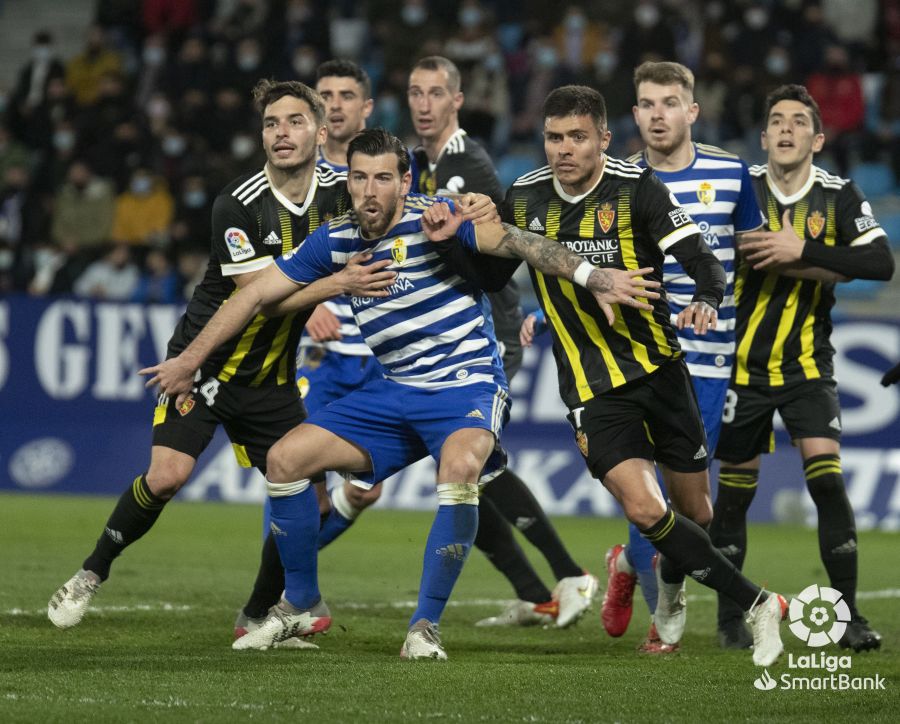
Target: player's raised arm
270,291
609,286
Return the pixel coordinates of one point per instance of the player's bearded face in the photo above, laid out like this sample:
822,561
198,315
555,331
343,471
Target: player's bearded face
790,137
291,133
574,147
664,113
376,188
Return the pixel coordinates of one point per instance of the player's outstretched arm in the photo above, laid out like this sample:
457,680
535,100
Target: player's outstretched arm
269,290
609,286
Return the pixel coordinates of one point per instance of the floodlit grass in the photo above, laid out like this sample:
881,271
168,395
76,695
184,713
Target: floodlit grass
157,644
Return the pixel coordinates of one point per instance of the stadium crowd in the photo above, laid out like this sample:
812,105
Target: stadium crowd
110,160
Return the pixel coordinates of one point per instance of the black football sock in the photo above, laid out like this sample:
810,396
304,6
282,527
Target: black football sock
134,514
495,539
518,505
688,546
728,529
269,582
837,526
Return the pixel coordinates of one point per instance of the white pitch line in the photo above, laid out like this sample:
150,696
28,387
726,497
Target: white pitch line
369,606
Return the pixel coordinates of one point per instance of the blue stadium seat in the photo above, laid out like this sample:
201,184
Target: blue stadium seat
513,165
875,179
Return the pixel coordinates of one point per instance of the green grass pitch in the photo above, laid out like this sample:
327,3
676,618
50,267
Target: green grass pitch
156,645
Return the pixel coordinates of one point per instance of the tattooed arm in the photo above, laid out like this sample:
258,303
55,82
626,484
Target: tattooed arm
609,286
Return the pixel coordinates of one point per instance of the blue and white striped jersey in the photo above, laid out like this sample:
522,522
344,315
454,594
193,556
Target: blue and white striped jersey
430,331
351,341
716,190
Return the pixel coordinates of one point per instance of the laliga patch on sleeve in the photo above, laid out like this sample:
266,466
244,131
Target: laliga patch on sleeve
238,243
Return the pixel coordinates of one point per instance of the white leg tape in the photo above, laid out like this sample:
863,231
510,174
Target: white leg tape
457,493
342,505
283,490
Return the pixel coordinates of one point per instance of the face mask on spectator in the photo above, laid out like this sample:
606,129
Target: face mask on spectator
546,58
414,15
493,62
304,64
141,186
6,259
469,17
248,61
158,108
777,64
174,145
646,15
575,22
756,18
605,62
41,53
194,199
242,147
154,55
64,140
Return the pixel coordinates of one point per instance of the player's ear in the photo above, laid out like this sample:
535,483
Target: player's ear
321,135
368,107
818,142
458,100
693,112
406,183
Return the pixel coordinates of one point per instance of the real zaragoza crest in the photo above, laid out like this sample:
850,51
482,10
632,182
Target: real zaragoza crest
706,193
398,251
815,222
606,216
582,441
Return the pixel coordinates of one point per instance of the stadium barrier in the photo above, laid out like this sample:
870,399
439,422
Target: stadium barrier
76,419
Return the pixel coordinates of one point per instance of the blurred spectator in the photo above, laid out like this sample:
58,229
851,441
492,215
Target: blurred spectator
143,212
118,156
240,19
191,68
54,165
113,277
31,87
159,283
808,46
230,114
83,212
838,91
12,153
348,35
402,38
58,105
121,20
473,41
853,23
169,17
543,59
112,106
191,230
304,26
21,224
192,267
152,70
754,36
246,66
710,91
742,116
648,31
86,71
578,40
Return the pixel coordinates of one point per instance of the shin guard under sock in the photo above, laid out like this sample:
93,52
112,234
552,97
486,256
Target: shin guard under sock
134,514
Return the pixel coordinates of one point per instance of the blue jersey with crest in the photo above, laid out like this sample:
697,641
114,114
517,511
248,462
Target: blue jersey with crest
717,192
431,331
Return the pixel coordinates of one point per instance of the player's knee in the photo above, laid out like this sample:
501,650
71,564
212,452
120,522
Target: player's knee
278,465
464,467
702,513
645,512
165,481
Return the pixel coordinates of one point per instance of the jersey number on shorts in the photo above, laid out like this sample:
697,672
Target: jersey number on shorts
731,400
209,390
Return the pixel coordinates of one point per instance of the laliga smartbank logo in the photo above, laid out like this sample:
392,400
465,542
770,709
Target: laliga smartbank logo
819,616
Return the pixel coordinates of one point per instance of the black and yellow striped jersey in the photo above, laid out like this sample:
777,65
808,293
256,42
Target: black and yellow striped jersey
784,324
252,223
627,221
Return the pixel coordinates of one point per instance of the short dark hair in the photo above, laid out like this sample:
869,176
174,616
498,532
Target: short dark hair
664,73
794,92
576,100
376,142
267,91
439,62
345,69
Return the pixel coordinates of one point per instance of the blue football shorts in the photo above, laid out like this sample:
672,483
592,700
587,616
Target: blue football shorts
400,424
